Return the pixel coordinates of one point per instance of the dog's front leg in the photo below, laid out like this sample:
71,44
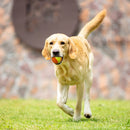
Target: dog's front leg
77,113
62,95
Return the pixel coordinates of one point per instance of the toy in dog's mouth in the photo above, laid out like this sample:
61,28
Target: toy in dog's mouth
57,60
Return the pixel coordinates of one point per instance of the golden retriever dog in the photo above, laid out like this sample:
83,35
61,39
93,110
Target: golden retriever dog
76,67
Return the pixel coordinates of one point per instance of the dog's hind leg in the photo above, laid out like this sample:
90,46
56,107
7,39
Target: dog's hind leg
88,84
62,95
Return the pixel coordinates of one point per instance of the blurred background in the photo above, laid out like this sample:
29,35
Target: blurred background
24,73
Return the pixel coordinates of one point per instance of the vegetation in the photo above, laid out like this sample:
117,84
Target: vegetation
44,114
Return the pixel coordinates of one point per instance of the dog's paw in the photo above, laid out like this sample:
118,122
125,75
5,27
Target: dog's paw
88,115
76,118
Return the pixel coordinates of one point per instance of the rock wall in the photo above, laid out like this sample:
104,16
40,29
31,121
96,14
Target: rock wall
25,74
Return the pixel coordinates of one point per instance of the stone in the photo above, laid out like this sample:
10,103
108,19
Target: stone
106,24
34,90
9,30
118,39
93,93
115,76
39,66
22,91
14,97
105,92
83,3
16,41
123,81
6,2
112,45
117,93
1,30
84,15
1,12
2,55
127,90
19,49
103,81
25,67
95,83
2,21
10,84
23,80
72,90
127,52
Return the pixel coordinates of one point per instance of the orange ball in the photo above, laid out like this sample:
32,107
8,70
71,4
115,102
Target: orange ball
57,60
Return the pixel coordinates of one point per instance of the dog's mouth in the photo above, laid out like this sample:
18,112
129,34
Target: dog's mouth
57,60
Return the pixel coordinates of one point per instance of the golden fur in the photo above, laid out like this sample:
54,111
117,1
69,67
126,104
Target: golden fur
76,68
73,69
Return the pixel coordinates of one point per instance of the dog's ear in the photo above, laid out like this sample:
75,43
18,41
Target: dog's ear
72,49
45,51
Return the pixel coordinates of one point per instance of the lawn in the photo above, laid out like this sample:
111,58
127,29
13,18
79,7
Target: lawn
45,115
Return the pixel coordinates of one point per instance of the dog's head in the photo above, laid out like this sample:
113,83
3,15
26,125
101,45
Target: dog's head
59,45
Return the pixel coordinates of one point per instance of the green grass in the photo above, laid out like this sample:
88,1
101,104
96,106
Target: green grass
45,115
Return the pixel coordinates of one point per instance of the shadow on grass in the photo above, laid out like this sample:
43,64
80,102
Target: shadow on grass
83,120
91,119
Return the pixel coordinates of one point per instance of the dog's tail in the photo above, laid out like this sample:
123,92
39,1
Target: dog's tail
93,24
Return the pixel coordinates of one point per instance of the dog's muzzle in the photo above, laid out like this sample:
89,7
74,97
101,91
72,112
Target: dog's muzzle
56,57
56,53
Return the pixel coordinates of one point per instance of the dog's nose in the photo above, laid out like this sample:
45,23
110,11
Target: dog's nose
56,52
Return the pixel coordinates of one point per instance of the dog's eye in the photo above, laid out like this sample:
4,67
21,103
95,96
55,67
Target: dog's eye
51,43
62,43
